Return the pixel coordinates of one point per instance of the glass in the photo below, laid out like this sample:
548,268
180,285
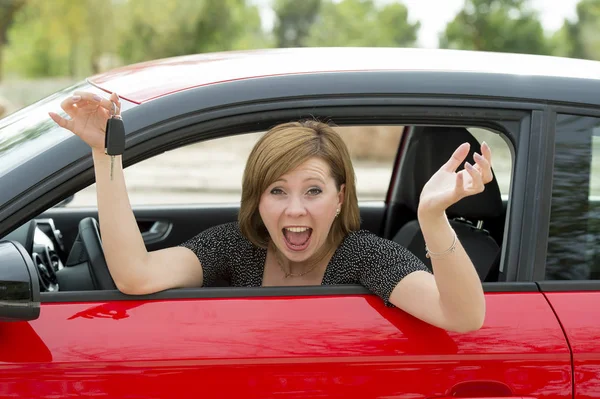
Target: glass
574,236
30,131
211,171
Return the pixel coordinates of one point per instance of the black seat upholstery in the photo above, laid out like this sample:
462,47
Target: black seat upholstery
429,148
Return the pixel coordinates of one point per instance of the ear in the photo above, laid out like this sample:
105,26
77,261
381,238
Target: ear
341,194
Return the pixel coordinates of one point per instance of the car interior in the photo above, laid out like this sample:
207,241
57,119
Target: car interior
66,244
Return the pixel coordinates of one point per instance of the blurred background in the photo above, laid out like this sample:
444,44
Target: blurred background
47,45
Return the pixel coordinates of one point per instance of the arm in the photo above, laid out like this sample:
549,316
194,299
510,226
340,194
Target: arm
133,268
452,298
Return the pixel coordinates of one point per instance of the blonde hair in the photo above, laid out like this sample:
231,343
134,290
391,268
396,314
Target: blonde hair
283,148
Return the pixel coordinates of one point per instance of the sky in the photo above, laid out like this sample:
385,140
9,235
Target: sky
552,15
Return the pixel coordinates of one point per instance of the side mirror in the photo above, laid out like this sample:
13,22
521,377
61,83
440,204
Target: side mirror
19,284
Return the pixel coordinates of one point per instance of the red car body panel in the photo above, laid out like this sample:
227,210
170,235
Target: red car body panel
142,82
282,347
579,314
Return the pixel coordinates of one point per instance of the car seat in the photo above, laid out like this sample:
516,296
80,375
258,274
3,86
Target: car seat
428,149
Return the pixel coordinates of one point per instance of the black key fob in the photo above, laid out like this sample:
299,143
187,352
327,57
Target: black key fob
114,140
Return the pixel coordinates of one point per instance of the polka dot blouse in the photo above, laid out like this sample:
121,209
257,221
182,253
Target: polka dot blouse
362,258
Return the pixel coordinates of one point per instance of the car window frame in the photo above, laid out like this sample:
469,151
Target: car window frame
539,271
406,111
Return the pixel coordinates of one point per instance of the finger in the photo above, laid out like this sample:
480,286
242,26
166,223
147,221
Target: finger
486,151
114,97
69,105
62,122
72,105
477,180
457,158
95,98
483,167
459,184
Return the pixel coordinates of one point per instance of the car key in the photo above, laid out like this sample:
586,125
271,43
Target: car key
114,140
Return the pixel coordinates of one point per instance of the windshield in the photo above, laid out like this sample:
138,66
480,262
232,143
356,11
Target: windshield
30,131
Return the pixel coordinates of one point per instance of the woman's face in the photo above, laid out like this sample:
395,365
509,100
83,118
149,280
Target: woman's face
299,208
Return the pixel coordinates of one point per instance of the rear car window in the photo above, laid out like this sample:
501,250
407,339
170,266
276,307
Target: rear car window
574,236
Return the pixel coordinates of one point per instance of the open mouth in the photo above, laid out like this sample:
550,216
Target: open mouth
297,238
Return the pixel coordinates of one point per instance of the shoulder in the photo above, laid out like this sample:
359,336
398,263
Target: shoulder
368,250
380,264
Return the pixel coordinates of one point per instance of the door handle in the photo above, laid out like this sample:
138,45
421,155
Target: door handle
480,390
158,231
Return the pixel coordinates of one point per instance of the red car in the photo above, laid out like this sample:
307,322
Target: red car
533,234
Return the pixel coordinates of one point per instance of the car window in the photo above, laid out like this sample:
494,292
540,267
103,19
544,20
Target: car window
501,157
211,171
30,131
574,236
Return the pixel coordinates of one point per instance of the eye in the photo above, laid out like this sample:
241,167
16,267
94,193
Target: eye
315,191
276,191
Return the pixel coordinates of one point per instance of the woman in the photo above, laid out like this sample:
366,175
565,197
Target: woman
298,225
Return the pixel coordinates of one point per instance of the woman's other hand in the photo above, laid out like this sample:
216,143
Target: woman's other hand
88,114
446,186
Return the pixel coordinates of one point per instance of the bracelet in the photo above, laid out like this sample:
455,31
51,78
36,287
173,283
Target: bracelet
430,254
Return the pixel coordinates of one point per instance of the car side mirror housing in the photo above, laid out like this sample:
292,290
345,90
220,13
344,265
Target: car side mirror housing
19,284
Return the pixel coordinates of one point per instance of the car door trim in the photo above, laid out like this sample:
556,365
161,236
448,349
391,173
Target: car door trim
569,285
245,292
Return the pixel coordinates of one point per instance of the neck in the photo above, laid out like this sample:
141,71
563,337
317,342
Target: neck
315,262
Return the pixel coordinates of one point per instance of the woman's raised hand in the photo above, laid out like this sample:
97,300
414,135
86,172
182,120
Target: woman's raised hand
446,186
88,114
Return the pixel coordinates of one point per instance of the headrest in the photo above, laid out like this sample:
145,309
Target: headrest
429,148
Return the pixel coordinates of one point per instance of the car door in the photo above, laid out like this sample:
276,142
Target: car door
296,342
571,273
328,344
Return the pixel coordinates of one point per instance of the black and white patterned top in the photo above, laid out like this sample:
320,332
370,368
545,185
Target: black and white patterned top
362,258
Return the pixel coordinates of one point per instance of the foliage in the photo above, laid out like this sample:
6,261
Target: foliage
496,25
293,21
358,23
76,38
54,38
8,9
165,28
581,38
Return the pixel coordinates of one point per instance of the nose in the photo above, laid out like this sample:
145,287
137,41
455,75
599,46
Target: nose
295,207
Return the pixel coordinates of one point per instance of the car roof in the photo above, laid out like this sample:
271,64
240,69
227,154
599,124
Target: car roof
145,81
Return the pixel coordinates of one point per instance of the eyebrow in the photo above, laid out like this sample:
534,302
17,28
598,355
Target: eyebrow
305,180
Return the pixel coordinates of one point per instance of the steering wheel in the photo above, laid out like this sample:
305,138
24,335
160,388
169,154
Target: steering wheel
46,274
89,234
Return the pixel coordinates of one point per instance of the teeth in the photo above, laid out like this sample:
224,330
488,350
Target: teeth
296,229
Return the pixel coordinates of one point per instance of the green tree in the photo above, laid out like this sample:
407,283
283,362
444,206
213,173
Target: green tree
496,25
580,38
165,28
8,9
361,23
59,37
293,20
